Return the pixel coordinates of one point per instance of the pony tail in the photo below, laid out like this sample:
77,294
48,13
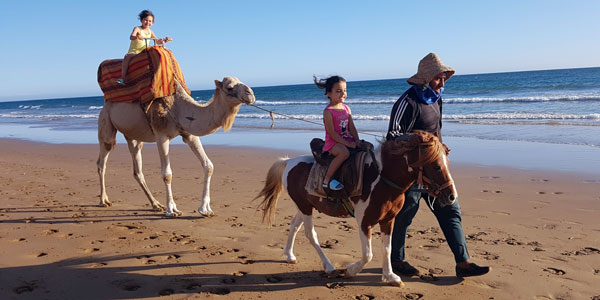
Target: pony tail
270,192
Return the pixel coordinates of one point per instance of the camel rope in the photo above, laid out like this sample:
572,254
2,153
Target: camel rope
271,113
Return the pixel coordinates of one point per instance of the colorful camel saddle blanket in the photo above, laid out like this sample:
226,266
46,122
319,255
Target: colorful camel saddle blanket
151,74
350,174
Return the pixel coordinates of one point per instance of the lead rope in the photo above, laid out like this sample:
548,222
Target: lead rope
271,113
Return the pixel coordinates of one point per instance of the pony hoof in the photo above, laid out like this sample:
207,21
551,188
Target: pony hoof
397,283
292,261
105,204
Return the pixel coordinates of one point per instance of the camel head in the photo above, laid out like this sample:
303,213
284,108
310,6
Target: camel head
235,91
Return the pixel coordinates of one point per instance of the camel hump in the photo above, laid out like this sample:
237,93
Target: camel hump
151,74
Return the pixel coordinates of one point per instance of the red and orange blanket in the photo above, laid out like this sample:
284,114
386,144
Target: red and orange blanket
151,74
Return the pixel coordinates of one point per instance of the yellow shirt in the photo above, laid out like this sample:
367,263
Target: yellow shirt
138,46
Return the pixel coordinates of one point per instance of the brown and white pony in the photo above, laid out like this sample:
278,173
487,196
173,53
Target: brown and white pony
418,157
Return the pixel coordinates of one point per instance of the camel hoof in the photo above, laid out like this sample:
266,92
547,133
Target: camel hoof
173,214
158,208
208,213
335,273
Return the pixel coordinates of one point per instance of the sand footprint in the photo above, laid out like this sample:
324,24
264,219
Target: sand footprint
98,265
539,180
26,287
343,225
244,260
193,286
370,297
335,285
428,277
219,291
555,271
274,279
50,231
329,244
413,296
229,280
166,292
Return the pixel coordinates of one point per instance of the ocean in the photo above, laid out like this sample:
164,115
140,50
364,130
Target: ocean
550,107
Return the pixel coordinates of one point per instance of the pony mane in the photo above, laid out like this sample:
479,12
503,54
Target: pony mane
431,147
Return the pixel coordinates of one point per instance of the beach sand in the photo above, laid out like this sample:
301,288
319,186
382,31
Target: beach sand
538,230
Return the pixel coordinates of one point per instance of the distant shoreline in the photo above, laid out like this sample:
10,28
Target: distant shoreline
511,154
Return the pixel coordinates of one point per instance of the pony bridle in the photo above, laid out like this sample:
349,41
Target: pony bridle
431,186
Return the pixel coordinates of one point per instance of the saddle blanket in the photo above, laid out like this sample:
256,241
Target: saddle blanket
151,74
351,175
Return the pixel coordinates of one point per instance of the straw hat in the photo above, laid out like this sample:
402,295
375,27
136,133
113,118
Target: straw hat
429,67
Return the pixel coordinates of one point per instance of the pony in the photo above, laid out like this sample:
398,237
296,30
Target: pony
417,157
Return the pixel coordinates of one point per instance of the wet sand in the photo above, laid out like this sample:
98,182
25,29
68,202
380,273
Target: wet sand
538,230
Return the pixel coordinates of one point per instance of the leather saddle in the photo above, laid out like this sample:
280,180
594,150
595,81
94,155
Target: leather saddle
349,174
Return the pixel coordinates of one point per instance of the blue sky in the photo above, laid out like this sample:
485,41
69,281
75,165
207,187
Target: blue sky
52,49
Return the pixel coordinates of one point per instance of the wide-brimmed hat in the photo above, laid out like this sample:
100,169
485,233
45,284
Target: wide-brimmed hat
429,67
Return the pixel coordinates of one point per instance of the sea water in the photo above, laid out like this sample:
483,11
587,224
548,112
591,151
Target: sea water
550,108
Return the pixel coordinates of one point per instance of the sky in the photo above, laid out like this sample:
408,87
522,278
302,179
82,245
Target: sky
52,49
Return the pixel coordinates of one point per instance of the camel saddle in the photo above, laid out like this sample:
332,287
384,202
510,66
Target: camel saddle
151,74
350,174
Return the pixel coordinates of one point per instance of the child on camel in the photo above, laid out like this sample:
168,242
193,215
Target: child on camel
138,41
340,133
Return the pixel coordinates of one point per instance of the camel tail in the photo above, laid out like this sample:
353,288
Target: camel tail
273,187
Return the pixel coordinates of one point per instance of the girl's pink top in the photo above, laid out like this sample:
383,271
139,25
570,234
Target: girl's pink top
340,119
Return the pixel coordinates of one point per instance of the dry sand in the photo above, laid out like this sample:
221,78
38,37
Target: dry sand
538,231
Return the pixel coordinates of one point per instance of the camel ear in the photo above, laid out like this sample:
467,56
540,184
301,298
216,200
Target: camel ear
218,84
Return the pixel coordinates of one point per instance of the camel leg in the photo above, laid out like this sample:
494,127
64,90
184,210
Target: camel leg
105,149
135,149
288,251
106,140
167,175
311,234
196,146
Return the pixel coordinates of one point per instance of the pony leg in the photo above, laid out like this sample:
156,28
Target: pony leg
365,241
388,275
367,254
311,234
288,251
167,175
135,149
196,146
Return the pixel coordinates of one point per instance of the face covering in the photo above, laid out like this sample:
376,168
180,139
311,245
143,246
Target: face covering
427,95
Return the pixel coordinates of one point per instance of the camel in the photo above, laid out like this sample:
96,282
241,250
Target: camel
165,119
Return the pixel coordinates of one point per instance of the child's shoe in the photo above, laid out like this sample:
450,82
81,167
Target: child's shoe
333,185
